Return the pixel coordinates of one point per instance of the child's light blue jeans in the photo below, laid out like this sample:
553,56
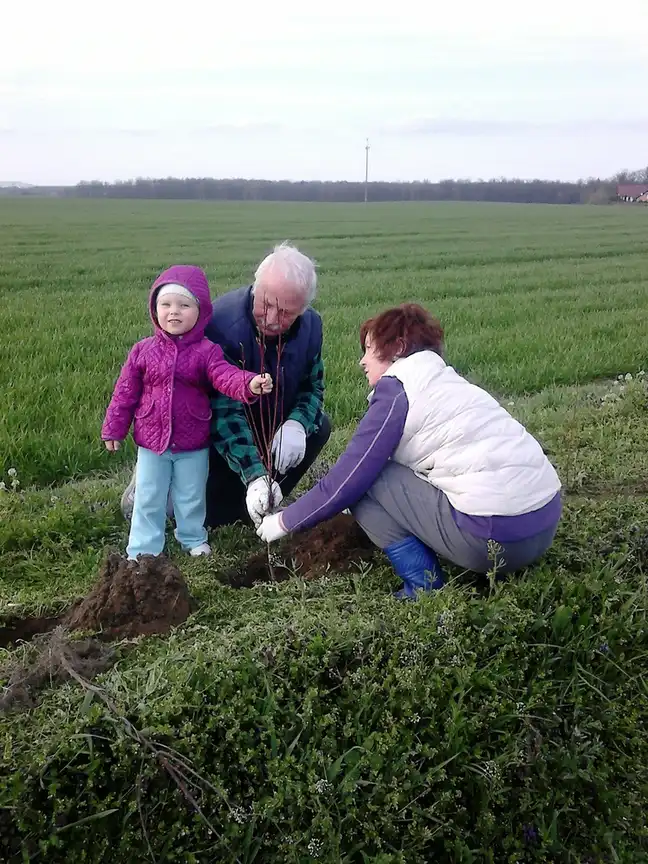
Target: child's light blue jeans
186,475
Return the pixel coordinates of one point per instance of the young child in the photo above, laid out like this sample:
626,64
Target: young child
164,388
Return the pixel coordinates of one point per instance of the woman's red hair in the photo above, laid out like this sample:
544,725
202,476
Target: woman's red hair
402,331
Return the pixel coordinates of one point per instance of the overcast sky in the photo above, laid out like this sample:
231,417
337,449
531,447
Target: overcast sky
458,88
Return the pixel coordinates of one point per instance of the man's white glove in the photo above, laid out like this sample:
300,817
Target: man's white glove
288,446
261,497
271,528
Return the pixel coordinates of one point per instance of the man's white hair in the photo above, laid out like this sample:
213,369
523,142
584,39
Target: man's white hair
296,268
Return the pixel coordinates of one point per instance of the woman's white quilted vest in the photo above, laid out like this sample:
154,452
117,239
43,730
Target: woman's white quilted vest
461,440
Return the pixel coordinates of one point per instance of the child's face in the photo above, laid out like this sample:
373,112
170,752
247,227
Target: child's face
176,314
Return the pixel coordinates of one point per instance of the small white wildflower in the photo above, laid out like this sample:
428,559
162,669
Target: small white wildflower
492,771
239,815
12,472
315,848
455,661
519,707
628,377
3,486
494,548
408,658
323,786
445,624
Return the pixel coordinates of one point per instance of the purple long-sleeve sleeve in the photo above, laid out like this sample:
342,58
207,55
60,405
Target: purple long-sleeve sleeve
229,379
125,398
374,442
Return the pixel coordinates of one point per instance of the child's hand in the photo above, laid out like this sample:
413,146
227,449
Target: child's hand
112,445
261,384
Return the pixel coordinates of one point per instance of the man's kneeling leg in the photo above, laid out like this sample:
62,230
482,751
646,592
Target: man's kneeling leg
225,494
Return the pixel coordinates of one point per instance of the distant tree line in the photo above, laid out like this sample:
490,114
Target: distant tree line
522,191
589,191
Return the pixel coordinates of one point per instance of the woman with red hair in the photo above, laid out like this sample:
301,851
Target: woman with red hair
436,465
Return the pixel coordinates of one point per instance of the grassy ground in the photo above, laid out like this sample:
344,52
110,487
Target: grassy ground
482,725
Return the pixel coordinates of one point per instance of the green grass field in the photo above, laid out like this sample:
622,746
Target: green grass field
501,724
529,296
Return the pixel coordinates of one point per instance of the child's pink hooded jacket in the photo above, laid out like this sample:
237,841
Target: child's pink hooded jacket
164,386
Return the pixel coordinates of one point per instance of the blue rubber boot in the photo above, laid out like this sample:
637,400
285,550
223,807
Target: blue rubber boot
417,565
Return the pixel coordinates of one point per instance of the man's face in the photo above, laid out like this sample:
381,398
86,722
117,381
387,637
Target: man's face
277,304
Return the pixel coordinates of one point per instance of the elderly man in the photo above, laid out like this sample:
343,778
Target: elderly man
274,313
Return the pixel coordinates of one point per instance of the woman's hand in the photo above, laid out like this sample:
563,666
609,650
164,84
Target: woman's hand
261,384
113,446
271,528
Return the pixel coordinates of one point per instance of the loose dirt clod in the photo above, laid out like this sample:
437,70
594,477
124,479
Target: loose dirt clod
337,546
51,658
133,598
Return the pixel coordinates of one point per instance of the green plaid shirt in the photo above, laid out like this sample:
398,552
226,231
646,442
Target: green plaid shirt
233,437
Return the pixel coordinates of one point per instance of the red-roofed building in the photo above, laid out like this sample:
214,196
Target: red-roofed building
632,191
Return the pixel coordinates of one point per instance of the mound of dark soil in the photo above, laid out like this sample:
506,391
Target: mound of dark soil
130,598
335,546
133,598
